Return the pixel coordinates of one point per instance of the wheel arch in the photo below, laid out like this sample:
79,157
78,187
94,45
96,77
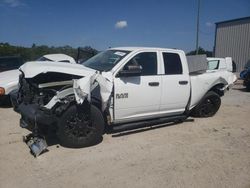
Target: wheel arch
218,89
195,111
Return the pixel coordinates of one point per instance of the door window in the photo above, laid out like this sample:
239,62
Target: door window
148,62
172,63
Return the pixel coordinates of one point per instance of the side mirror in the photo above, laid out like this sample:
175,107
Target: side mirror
130,70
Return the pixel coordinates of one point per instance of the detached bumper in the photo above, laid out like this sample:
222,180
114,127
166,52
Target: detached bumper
32,114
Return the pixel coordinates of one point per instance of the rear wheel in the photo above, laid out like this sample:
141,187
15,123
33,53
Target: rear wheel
75,130
209,105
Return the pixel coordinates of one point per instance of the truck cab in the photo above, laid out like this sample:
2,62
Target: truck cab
161,88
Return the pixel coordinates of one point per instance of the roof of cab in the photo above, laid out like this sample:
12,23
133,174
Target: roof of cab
143,48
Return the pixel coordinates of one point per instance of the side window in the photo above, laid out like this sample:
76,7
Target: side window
172,63
148,62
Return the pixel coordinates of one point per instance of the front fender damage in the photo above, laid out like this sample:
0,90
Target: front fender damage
80,94
82,90
84,86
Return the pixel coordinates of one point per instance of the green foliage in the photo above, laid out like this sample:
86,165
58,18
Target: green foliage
33,53
201,51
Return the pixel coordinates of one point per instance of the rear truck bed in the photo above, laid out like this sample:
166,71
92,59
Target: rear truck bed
219,82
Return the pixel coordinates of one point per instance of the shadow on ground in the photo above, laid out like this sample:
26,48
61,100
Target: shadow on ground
52,140
241,89
135,131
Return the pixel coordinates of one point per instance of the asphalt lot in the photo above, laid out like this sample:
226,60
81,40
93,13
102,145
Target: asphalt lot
212,152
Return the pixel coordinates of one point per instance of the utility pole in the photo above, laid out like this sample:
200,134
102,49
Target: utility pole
197,28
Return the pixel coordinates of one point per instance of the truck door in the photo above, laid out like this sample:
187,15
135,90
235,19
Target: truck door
175,84
137,97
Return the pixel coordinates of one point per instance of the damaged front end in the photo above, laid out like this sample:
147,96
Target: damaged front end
35,93
41,101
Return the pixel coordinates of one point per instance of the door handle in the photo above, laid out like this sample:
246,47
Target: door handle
153,83
183,82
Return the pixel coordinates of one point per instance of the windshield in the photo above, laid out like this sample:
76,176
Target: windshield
106,60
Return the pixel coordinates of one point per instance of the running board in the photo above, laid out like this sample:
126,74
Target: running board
147,123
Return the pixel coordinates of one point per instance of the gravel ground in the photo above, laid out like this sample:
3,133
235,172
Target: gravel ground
212,152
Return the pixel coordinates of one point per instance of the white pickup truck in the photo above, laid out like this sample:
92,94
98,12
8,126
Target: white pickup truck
116,90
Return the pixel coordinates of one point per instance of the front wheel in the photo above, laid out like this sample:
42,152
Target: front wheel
209,105
75,130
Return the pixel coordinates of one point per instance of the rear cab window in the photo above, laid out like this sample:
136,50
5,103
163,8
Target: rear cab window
172,63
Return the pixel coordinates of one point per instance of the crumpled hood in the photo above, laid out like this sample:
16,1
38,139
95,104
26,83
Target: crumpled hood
9,76
32,69
81,87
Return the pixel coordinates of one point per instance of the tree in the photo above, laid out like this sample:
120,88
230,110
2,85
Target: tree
34,52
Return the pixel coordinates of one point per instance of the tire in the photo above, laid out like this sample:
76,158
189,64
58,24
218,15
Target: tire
76,132
5,101
208,106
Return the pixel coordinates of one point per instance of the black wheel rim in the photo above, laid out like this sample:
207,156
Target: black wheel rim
79,128
209,107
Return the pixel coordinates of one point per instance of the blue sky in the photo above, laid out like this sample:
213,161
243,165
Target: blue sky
105,23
